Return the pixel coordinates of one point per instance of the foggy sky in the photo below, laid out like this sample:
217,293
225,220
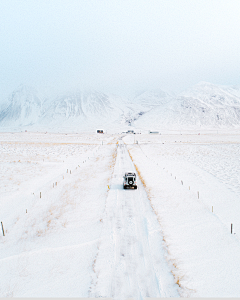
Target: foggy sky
117,45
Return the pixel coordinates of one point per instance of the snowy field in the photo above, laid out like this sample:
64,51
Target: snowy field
51,241
193,183
72,231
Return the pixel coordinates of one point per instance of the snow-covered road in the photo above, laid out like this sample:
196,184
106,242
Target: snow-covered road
81,239
131,258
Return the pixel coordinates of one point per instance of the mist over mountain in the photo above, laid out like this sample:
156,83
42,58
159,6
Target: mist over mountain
205,105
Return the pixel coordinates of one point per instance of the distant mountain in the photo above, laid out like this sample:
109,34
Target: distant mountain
212,105
25,107
144,103
152,98
203,106
82,110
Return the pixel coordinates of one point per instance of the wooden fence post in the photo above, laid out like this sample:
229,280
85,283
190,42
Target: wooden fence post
2,229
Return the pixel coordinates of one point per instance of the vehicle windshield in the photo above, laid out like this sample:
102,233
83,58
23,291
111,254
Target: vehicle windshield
130,179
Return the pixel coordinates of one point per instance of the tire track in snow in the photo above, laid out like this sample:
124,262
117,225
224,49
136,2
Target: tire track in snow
131,259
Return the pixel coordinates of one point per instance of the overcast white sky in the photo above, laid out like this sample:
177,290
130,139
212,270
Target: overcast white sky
117,45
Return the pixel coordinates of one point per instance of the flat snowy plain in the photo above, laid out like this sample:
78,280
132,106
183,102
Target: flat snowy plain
72,231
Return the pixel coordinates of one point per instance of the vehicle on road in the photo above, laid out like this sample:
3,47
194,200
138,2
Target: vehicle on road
130,131
129,180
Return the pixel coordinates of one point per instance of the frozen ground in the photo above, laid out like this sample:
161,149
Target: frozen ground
193,185
50,242
78,238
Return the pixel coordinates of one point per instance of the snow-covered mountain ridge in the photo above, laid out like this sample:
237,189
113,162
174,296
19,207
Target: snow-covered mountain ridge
203,106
